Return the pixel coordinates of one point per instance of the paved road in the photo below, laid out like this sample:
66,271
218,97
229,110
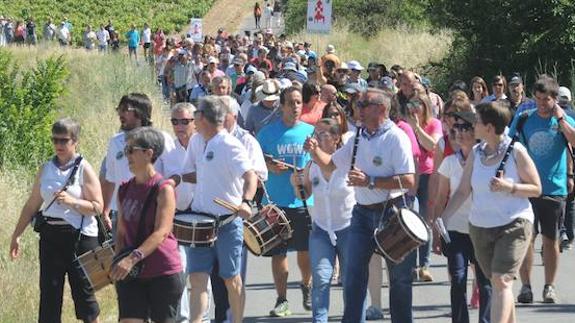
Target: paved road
431,300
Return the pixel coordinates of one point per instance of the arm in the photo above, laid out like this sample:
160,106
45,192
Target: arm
107,192
32,205
357,177
426,140
90,203
321,158
189,178
530,185
564,125
249,191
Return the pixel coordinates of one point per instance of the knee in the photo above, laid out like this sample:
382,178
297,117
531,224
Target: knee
502,281
199,281
234,282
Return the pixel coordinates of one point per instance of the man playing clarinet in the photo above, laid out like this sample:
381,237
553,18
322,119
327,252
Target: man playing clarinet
381,170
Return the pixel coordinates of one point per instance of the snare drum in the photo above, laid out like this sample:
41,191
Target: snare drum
195,230
95,265
266,230
404,232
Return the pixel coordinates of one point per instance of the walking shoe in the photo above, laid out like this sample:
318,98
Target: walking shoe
281,309
549,295
425,275
526,295
567,245
306,295
372,313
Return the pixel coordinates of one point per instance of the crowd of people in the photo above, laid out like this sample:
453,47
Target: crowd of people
339,149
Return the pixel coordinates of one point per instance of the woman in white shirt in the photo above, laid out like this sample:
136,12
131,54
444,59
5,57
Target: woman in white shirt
459,251
501,218
331,216
70,228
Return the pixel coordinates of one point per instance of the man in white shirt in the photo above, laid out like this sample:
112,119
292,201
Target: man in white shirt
147,41
383,171
134,111
219,154
103,38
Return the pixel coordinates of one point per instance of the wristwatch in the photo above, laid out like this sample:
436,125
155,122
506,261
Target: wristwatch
371,184
248,202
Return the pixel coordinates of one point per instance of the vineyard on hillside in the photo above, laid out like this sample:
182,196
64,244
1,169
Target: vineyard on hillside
170,15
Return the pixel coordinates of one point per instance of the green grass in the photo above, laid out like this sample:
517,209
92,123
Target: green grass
94,87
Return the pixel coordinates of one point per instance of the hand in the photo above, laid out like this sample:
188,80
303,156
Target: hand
276,168
107,220
296,178
65,198
15,248
413,120
498,184
558,111
311,145
356,177
122,268
569,184
244,211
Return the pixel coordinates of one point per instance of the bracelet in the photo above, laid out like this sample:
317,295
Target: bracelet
513,189
138,254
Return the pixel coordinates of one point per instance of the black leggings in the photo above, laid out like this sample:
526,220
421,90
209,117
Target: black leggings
57,244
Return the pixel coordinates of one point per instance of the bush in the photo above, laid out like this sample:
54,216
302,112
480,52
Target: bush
27,109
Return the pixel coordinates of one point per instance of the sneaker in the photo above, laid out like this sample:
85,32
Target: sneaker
549,295
281,309
306,295
425,275
525,295
372,314
567,245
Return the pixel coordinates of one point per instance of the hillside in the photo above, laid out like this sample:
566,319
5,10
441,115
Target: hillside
171,15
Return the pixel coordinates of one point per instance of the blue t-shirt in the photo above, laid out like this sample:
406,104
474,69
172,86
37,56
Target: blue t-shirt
285,144
133,38
548,149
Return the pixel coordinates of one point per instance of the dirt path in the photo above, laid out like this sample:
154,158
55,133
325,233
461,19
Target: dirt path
234,16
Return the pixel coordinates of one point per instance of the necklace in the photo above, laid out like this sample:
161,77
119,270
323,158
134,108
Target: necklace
501,147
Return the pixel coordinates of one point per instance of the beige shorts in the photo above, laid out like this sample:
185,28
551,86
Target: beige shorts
501,249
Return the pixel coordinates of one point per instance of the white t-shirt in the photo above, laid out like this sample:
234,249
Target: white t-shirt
254,150
51,181
174,163
493,209
333,200
147,36
219,165
103,36
452,169
117,169
386,154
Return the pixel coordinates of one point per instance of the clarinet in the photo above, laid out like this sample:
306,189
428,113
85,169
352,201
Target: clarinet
355,144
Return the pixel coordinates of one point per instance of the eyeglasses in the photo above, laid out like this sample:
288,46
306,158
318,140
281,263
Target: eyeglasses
497,84
128,150
365,103
412,105
183,122
125,109
60,141
322,134
463,127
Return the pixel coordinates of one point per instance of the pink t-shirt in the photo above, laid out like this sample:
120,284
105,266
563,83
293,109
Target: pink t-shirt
312,113
165,260
414,145
432,128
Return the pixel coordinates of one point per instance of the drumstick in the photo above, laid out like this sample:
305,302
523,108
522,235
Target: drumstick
271,158
226,204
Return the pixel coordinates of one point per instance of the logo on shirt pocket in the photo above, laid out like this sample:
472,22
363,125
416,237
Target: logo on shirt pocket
210,155
119,155
315,181
377,161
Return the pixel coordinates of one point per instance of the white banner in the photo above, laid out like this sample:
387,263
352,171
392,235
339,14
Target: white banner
319,16
195,31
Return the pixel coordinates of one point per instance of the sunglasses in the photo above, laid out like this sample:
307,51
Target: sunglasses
183,122
60,141
128,150
412,105
497,84
463,127
364,104
322,134
125,109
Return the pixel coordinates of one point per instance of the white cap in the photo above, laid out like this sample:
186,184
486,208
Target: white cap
213,60
330,49
354,65
564,94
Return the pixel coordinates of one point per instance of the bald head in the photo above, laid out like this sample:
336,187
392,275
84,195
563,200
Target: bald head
328,93
407,82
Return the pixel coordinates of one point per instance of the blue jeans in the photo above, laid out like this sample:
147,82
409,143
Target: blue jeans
423,197
459,254
360,247
322,256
